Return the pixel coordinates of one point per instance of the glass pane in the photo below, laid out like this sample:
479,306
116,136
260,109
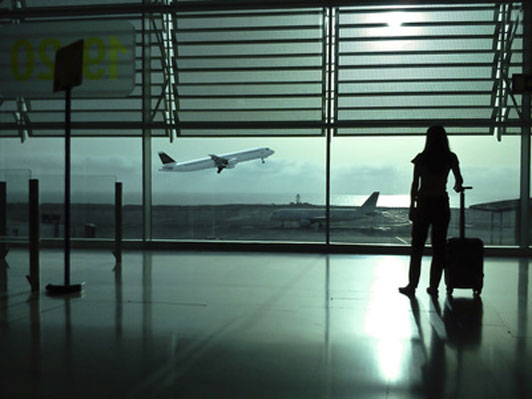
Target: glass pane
239,203
100,163
428,62
95,167
361,166
112,62
492,168
248,66
16,222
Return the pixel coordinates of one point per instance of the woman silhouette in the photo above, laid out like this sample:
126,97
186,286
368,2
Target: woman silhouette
429,206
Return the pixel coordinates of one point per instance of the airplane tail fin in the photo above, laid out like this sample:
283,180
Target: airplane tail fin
371,202
165,158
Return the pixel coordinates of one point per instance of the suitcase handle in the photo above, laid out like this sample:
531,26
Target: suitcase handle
462,210
463,188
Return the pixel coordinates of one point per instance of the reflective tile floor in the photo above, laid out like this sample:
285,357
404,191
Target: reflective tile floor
253,325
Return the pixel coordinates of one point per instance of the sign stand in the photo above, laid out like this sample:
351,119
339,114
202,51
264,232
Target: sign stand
67,74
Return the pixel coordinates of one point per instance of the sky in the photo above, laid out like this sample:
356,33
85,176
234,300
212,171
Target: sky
360,165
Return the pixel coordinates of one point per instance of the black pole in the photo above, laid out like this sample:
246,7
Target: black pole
67,288
34,276
67,74
67,185
462,214
3,219
118,222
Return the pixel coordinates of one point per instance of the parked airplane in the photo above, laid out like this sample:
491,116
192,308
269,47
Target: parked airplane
214,161
308,216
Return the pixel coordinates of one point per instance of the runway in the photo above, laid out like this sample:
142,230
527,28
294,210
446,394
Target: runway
249,222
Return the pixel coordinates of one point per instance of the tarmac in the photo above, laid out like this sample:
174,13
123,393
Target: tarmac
234,222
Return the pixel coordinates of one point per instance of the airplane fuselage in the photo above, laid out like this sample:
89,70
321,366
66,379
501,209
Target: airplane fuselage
229,159
296,215
309,216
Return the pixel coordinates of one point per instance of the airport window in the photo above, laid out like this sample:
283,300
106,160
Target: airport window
428,62
248,67
96,165
201,83
247,202
492,203
365,165
14,188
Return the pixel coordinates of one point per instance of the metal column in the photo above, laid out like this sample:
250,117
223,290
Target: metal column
118,222
146,129
34,236
524,238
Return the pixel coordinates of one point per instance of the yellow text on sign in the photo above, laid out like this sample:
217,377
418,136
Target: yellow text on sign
24,57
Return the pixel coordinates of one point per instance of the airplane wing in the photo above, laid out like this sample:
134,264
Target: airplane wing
219,162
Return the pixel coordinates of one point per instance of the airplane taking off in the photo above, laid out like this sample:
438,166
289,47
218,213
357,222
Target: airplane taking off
224,161
308,216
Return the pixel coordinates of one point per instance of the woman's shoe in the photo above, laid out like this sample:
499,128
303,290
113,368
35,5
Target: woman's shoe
408,290
432,291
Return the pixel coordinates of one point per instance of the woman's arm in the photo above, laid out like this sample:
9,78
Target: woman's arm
413,192
458,179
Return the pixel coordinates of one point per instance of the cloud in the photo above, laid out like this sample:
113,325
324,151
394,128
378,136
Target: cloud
363,179
282,175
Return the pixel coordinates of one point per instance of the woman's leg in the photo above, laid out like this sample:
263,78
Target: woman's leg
440,226
420,229
419,237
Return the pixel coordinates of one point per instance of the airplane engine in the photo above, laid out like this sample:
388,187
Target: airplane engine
231,163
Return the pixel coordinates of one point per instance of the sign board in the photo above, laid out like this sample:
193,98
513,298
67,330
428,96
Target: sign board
68,71
521,83
27,58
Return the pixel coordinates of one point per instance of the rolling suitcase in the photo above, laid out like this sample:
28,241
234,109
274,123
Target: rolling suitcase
464,267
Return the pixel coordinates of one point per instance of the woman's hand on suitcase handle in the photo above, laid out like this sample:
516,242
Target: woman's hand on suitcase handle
459,188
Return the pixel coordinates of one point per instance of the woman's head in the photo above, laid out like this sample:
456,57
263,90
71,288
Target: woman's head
437,155
437,141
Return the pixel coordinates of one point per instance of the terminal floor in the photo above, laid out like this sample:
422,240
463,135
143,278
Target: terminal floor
260,325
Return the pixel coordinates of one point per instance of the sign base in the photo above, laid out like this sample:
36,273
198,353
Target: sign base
57,289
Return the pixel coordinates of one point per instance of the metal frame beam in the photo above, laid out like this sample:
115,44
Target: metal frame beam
146,129
222,5
524,236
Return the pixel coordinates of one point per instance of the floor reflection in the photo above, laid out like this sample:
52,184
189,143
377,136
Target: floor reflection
463,321
194,325
522,362
386,322
118,299
35,343
3,277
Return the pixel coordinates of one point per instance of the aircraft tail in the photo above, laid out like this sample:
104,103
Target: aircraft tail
371,202
165,158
